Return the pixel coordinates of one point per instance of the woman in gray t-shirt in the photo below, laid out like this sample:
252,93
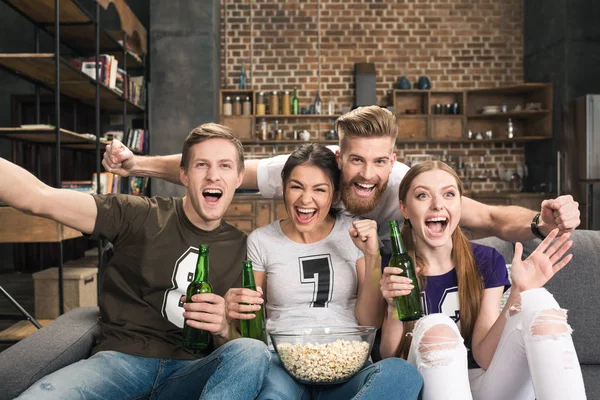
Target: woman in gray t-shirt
320,268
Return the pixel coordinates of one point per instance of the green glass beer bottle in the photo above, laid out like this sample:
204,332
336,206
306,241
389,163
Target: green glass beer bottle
198,339
409,307
252,328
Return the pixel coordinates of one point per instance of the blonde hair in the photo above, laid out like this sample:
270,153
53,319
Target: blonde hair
210,131
369,121
470,283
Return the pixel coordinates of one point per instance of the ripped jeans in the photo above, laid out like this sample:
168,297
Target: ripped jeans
535,357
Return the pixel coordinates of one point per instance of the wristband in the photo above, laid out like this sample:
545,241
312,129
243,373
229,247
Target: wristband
534,227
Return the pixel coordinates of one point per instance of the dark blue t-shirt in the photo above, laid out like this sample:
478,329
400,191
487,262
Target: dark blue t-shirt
441,291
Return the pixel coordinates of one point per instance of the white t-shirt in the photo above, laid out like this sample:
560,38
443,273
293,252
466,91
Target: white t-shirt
269,183
308,285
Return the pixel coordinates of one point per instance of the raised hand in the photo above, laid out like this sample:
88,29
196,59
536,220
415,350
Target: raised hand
242,302
562,213
393,285
118,159
364,235
542,264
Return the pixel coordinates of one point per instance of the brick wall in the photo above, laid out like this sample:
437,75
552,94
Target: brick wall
456,43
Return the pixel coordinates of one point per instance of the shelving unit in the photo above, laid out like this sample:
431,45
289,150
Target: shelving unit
428,126
72,26
245,125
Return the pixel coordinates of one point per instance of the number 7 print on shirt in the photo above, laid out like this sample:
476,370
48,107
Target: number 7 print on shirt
318,271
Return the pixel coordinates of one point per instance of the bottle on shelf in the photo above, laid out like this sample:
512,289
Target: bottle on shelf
198,339
274,103
227,107
237,106
247,106
260,104
285,103
262,129
318,104
510,129
295,103
243,78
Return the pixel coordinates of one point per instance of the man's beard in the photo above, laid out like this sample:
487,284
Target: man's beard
361,205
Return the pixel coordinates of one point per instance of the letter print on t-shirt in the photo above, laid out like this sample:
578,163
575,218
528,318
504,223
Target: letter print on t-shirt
317,271
183,274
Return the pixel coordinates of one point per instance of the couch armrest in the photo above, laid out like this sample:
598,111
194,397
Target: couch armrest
64,341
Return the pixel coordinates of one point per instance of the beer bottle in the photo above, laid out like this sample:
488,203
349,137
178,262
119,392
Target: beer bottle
409,307
198,339
252,328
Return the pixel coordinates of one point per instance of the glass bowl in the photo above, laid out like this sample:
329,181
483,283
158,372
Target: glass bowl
323,355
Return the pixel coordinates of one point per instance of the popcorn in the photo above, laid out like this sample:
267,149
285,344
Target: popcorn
324,362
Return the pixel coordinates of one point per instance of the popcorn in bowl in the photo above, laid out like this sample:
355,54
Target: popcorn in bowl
324,355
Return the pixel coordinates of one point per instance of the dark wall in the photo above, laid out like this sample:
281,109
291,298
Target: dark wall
185,71
562,46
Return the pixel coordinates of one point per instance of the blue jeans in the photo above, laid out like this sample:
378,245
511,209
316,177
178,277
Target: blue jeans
392,378
235,370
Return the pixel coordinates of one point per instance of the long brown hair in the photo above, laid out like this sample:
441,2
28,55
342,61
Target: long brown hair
470,283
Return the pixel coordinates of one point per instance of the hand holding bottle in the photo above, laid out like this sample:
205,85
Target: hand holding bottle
208,312
243,303
547,259
394,285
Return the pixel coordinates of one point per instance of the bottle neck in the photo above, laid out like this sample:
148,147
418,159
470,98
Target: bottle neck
396,240
201,268
248,277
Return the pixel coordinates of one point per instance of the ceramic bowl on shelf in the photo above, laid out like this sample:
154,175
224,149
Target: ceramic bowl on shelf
491,109
411,111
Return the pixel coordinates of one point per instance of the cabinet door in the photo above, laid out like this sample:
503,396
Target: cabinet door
264,215
530,202
280,211
412,128
244,225
240,208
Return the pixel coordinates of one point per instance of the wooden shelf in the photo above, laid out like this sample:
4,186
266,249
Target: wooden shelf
411,116
514,89
523,139
68,139
73,83
18,227
259,142
301,116
77,28
511,114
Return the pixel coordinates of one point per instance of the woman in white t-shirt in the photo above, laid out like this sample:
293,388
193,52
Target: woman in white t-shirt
320,268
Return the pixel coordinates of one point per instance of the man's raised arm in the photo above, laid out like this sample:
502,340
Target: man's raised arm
513,223
119,160
23,191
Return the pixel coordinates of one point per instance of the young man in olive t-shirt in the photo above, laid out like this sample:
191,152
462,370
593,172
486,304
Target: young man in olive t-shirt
141,305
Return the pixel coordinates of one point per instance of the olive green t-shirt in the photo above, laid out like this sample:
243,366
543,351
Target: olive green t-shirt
155,254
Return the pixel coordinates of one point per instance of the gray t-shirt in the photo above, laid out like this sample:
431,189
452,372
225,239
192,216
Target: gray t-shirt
311,284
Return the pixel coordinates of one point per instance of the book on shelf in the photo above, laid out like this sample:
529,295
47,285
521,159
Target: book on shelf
80,186
109,183
108,66
137,140
138,185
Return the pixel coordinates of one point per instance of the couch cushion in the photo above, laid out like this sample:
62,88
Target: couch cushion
69,338
576,288
591,379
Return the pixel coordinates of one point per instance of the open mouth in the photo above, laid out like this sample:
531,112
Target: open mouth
363,189
436,226
305,215
212,196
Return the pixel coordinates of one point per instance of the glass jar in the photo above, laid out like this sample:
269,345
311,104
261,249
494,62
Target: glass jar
247,106
227,109
285,103
237,106
262,129
274,103
260,103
